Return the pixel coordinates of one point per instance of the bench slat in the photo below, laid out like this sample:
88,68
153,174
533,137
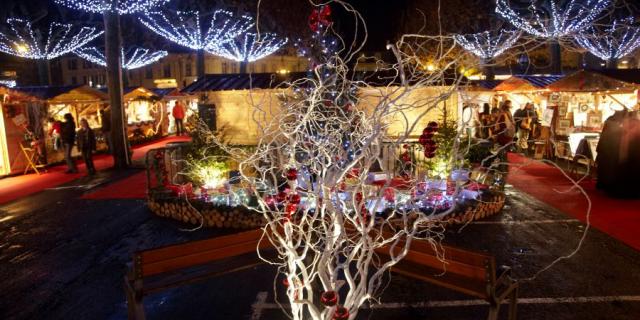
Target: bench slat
173,251
202,257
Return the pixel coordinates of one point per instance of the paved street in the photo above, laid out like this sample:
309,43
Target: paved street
64,258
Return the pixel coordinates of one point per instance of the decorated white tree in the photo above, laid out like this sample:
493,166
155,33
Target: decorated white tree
248,47
111,11
131,59
338,224
22,40
184,28
612,42
552,19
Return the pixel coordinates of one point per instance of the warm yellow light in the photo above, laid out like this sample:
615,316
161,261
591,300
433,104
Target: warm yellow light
431,67
283,71
21,48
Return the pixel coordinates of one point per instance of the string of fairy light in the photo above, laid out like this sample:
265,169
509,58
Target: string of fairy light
488,45
131,59
184,27
554,21
618,40
121,6
249,47
62,38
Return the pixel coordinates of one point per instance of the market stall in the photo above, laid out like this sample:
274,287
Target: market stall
145,113
21,133
169,98
583,101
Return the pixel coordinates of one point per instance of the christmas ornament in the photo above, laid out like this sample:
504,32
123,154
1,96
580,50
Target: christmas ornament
329,298
341,313
292,174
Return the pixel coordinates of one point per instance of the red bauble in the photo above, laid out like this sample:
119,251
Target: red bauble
433,125
291,208
292,174
427,152
294,198
281,196
329,298
358,197
341,313
428,130
285,282
430,155
270,200
424,139
405,146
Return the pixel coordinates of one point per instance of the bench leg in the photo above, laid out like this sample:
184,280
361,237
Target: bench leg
513,304
135,306
494,311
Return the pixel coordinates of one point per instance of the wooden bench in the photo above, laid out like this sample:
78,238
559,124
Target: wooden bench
464,271
159,269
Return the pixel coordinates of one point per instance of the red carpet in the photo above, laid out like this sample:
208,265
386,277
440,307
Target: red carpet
619,218
12,188
133,187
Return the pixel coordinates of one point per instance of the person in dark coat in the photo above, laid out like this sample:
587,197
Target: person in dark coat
86,145
105,128
68,140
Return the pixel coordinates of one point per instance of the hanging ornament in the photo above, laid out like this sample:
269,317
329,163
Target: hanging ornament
294,198
292,174
433,125
320,18
341,313
329,298
281,196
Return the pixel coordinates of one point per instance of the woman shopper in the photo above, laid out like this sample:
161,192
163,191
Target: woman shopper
68,140
86,145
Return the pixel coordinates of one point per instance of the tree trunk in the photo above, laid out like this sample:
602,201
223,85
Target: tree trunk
243,66
200,61
44,73
114,81
487,69
556,57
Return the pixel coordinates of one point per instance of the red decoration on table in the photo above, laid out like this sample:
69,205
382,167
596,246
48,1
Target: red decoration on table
281,196
341,313
292,174
329,298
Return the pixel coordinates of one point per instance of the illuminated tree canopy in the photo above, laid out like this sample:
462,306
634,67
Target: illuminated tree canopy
619,39
249,47
23,41
487,45
121,6
133,59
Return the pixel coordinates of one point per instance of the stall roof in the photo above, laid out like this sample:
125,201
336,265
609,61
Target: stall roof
484,84
168,92
244,81
592,81
527,82
53,92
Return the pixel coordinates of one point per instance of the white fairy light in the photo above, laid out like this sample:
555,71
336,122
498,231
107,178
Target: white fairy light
487,45
614,42
63,38
184,28
8,83
133,59
121,6
249,47
552,21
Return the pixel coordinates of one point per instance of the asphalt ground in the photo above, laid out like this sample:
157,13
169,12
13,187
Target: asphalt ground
62,257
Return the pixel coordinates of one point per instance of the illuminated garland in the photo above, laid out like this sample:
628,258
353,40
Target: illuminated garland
183,27
249,47
553,22
121,7
62,39
618,40
8,83
487,45
136,59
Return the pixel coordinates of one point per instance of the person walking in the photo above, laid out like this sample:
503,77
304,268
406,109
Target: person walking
105,128
68,140
86,145
178,116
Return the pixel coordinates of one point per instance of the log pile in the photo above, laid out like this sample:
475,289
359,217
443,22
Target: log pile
480,209
196,213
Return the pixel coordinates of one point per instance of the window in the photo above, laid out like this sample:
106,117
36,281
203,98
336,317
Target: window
234,68
167,71
86,64
148,72
84,79
264,68
74,80
72,64
189,69
224,67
